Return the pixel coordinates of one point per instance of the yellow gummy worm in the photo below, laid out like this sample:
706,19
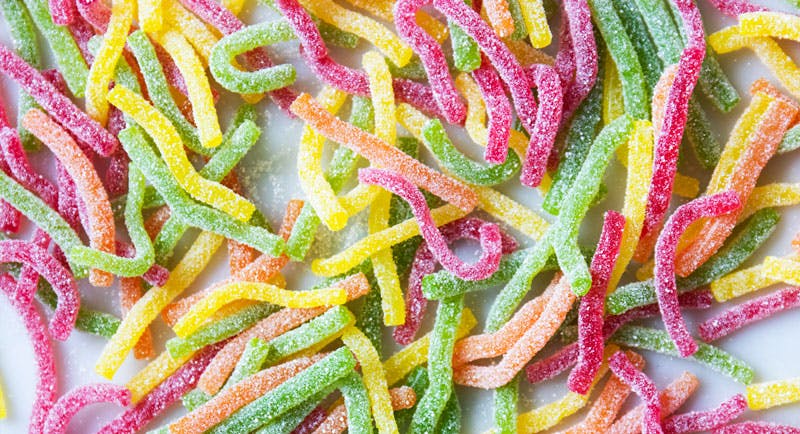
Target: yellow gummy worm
646,270
372,243
374,379
771,54
309,167
737,143
350,21
172,151
782,269
150,15
205,116
234,6
772,24
3,412
154,374
640,170
548,415
771,195
744,281
416,353
380,85
384,9
153,302
102,70
536,22
495,203
766,395
192,28
360,197
224,294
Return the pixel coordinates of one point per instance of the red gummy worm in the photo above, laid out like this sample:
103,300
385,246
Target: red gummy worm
734,8
664,271
60,278
668,139
567,356
21,169
489,233
696,421
583,50
749,312
432,57
82,32
47,386
63,12
73,401
95,12
498,109
590,313
545,129
757,428
425,263
312,421
341,77
116,179
59,106
624,369
226,22
565,58
164,395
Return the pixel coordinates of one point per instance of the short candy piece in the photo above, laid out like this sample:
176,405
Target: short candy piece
707,420
666,289
765,395
73,401
749,312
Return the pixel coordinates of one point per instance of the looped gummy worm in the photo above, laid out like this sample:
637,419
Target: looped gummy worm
489,233
73,401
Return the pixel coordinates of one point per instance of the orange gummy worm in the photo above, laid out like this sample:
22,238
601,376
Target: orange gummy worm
336,422
130,291
266,266
495,344
237,396
87,182
500,17
381,154
608,404
267,329
240,255
672,397
490,377
762,144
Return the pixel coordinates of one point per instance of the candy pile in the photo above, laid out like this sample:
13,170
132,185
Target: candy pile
630,80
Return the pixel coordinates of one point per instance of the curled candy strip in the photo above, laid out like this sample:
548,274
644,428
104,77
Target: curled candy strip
544,131
624,369
666,288
498,110
73,401
671,398
489,233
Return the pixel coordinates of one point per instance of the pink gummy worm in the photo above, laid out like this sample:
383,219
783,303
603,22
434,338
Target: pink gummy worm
584,54
47,386
503,60
95,12
82,32
156,275
425,263
498,109
624,369
749,312
664,272
66,312
21,169
312,421
68,200
545,129
432,57
567,356
590,312
164,395
697,421
226,22
28,280
734,8
668,139
341,77
63,12
73,401
489,233
59,106
565,57
757,428
10,218
116,179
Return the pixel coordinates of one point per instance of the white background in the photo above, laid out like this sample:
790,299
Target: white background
269,175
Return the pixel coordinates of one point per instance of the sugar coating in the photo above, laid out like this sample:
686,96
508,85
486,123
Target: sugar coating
707,420
73,401
670,399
